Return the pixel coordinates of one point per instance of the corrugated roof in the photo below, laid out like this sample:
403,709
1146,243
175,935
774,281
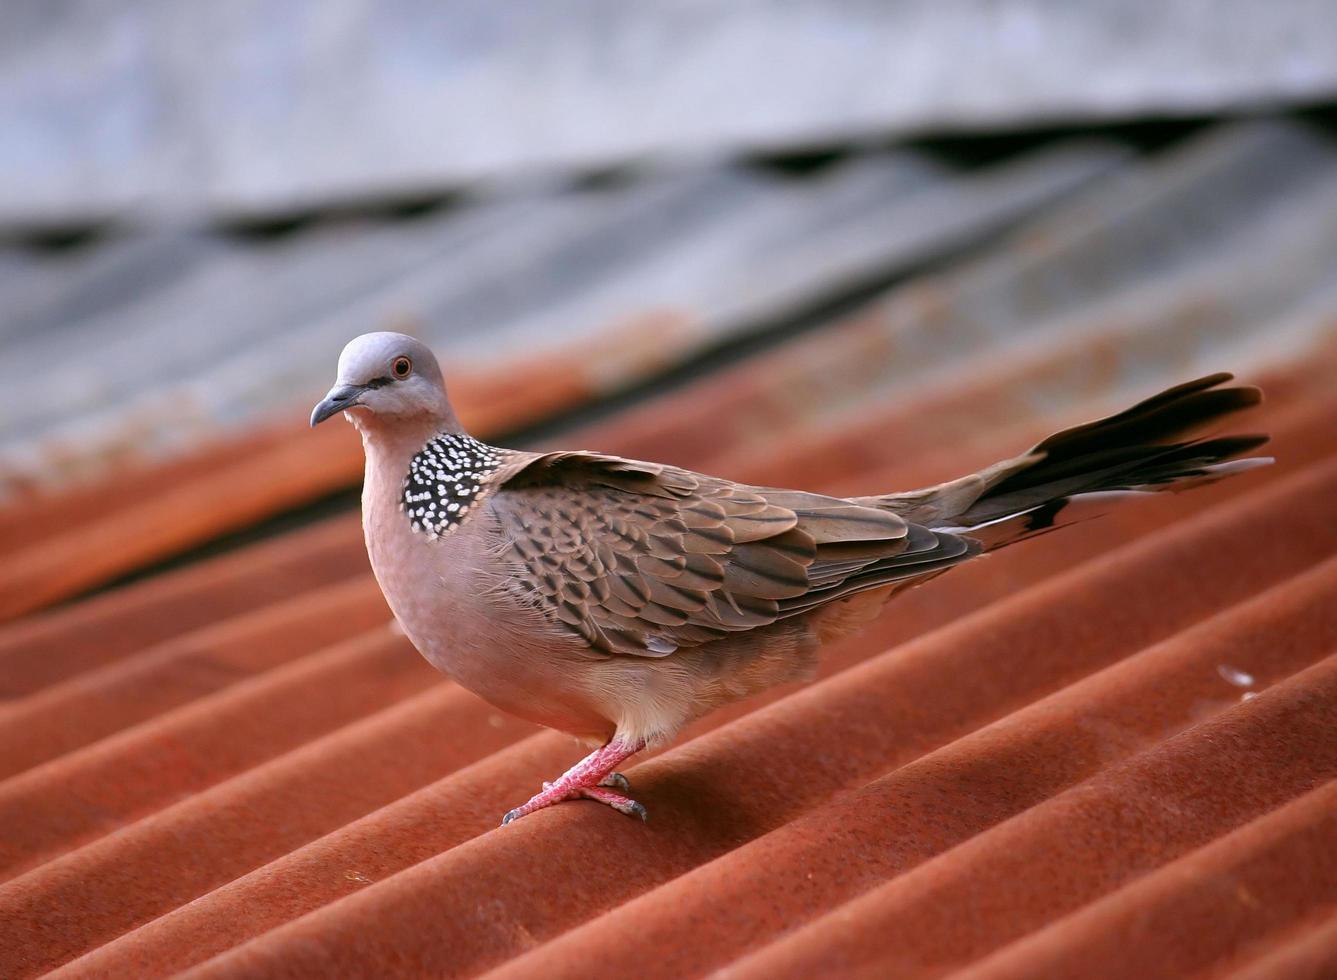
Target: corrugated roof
1107,748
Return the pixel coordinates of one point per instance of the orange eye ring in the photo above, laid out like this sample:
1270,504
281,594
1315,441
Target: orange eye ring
401,368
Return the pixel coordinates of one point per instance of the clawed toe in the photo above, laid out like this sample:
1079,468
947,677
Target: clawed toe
617,781
618,802
634,809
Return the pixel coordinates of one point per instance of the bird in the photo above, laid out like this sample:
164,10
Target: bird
617,600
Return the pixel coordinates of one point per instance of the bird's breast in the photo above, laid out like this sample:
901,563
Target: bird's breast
448,594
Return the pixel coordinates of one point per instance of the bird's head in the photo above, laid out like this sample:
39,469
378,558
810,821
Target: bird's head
387,377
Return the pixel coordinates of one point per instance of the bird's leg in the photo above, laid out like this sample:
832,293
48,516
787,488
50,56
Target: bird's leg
587,778
614,780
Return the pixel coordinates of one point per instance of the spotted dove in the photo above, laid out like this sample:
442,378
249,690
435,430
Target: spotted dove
617,600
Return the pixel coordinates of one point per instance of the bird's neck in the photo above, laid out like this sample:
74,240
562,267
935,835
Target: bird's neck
388,535
390,446
383,435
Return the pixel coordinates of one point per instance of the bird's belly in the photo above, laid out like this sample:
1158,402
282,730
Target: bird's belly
504,666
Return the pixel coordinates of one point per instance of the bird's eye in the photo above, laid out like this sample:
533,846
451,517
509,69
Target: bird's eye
401,367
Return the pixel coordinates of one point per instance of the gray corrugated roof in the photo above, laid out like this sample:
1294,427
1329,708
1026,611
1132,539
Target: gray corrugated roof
164,107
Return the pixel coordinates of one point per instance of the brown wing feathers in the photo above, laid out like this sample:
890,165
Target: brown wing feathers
642,559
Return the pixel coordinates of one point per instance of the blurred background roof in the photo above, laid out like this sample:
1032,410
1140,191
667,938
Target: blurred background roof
843,246
159,107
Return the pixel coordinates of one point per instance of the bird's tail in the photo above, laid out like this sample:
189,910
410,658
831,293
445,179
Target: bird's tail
1155,445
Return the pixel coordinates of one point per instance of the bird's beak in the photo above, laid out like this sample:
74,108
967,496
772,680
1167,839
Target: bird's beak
339,398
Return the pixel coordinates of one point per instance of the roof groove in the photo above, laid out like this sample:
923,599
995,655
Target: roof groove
106,700
1236,893
97,892
91,791
1310,953
62,643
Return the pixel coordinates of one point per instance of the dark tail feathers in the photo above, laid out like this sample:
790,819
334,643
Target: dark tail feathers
1147,448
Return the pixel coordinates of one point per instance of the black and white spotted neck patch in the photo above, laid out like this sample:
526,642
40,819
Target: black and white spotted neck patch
445,480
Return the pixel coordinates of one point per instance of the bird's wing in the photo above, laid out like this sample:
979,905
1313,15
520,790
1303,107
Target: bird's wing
642,559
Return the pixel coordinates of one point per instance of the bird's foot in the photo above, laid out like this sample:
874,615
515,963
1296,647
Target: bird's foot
592,779
556,793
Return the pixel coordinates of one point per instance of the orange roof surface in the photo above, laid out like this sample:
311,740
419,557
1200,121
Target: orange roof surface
1105,752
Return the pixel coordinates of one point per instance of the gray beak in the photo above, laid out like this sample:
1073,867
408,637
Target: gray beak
339,398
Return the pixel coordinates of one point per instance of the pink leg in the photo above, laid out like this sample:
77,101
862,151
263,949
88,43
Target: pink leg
587,778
